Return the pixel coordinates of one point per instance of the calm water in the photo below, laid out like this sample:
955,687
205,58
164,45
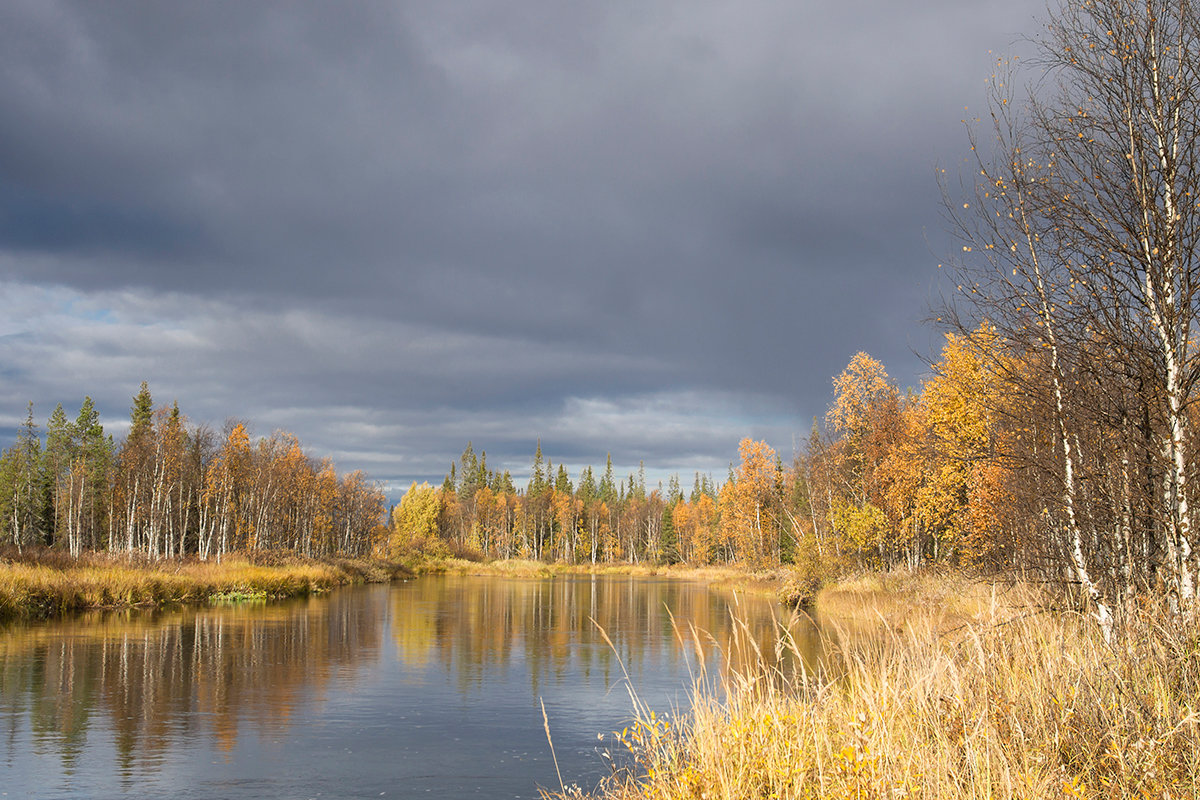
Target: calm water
430,688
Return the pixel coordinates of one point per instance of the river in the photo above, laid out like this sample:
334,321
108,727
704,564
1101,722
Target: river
431,688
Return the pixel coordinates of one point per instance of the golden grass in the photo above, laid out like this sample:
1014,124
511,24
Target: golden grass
32,589
730,577
936,688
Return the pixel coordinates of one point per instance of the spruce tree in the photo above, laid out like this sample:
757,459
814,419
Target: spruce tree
483,476
95,451
468,472
22,488
562,482
141,414
669,541
60,450
537,478
587,485
608,489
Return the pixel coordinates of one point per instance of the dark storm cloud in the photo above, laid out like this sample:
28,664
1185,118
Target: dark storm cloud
488,214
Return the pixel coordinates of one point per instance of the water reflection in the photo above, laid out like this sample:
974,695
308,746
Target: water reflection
470,625
429,688
154,678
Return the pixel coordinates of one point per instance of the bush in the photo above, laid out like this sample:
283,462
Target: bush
801,585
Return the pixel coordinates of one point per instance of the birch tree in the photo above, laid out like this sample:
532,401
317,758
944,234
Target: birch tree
1080,242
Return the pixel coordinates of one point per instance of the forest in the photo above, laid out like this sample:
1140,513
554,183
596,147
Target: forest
171,488
960,473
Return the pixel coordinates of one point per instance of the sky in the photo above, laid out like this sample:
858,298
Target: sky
642,228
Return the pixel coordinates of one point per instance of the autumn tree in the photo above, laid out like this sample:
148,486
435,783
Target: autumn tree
173,489
223,520
750,506
965,503
866,416
360,515
1080,243
415,519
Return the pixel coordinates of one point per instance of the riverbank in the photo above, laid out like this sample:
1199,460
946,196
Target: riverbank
767,583
941,687
48,583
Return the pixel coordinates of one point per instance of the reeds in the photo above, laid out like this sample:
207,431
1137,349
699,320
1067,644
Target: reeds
939,690
47,586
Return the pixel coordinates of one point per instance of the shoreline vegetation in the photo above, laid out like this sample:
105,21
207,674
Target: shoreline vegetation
769,582
935,686
40,584
43,583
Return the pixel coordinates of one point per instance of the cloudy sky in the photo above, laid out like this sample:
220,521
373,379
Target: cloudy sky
648,228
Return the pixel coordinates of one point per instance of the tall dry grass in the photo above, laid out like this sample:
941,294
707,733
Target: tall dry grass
934,688
764,582
48,584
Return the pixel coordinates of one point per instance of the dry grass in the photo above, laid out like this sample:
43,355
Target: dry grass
729,577
48,584
528,568
936,688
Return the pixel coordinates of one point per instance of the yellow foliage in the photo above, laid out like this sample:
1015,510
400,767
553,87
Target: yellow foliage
415,520
861,527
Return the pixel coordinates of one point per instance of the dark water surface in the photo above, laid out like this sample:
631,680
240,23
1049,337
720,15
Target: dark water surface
430,688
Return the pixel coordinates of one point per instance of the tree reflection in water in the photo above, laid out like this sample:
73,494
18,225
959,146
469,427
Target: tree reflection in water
471,624
156,677
372,687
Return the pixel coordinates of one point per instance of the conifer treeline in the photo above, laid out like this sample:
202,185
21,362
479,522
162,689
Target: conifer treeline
602,519
172,488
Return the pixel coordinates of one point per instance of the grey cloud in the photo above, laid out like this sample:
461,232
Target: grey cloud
406,210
